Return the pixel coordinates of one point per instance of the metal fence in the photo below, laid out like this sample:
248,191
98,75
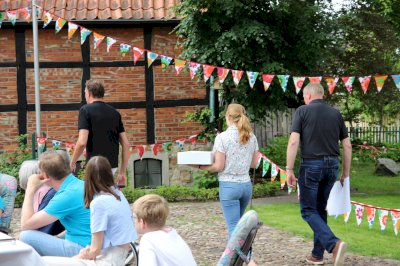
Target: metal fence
376,134
279,124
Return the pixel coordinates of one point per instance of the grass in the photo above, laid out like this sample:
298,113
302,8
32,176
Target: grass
370,189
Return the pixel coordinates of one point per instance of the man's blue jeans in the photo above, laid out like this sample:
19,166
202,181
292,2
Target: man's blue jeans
316,180
48,245
234,198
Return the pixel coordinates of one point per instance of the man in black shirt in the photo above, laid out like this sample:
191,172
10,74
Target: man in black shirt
101,130
319,128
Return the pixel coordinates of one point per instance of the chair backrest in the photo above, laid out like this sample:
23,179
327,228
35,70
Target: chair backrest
240,242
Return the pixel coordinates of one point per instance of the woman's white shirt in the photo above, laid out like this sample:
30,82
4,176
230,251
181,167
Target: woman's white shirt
238,157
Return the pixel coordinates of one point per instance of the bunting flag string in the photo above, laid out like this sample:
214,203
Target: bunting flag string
180,64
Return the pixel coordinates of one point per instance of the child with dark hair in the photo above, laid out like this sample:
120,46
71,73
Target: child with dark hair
110,219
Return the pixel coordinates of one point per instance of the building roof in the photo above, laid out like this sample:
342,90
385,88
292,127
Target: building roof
101,9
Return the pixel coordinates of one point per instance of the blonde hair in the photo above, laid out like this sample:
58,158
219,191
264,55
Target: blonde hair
53,165
152,209
314,89
28,168
237,114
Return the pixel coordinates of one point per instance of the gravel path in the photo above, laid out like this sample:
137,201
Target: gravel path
203,227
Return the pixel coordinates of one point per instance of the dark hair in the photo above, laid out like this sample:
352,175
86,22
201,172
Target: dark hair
53,164
95,88
98,178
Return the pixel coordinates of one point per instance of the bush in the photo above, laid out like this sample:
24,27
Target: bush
204,194
132,194
173,193
205,179
265,188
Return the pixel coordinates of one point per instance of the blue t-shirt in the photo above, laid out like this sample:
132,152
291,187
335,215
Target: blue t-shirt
114,218
1,204
68,206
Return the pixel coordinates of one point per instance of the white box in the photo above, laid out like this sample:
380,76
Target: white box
195,157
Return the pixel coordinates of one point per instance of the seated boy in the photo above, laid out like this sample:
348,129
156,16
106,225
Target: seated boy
160,245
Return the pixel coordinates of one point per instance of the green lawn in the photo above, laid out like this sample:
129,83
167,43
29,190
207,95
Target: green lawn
375,190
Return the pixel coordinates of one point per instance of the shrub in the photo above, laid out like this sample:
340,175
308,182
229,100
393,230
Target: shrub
173,193
205,179
204,194
132,194
265,188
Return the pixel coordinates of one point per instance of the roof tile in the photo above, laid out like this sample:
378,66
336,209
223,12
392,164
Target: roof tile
101,9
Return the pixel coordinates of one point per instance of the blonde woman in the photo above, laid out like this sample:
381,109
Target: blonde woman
235,152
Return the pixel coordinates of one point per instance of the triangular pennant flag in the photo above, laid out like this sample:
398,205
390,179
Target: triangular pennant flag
252,76
97,39
165,61
222,74
2,15
265,167
155,148
72,27
283,178
396,80
181,143
193,139
179,65
84,34
396,221
150,58
383,216
25,13
364,81
347,215
110,42
12,16
237,76
359,211
267,80
41,141
298,83
274,171
331,82
137,53
56,144
140,149
47,18
315,79
60,22
194,69
207,71
124,49
380,81
259,160
70,146
167,146
283,79
370,211
348,82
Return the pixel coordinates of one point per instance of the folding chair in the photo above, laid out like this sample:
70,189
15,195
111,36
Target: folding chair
238,249
133,256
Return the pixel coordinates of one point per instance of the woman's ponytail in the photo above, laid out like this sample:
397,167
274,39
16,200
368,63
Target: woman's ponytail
238,115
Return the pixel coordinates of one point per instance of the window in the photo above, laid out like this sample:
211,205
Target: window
147,173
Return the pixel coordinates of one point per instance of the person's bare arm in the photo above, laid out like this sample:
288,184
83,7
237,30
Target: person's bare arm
217,166
94,250
291,154
79,147
123,139
346,162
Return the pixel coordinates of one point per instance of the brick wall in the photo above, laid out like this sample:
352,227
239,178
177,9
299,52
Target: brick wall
123,84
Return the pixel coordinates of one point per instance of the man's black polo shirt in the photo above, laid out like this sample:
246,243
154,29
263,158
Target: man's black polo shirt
320,127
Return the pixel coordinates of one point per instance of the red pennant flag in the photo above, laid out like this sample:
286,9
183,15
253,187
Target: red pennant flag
193,139
140,149
137,53
331,81
222,74
237,76
155,148
207,71
267,80
364,81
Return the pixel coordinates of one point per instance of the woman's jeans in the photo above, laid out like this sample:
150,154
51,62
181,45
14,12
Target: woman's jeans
316,180
234,198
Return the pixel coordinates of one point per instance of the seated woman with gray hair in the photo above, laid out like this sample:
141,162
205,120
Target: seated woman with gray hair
44,194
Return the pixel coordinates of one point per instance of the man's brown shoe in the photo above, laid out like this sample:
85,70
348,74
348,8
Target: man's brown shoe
310,259
338,253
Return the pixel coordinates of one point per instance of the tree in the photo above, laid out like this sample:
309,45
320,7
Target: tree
280,37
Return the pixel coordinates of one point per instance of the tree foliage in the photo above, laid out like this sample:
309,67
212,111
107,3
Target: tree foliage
299,38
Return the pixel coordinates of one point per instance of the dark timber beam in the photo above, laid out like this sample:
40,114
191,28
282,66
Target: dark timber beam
85,49
149,81
21,80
